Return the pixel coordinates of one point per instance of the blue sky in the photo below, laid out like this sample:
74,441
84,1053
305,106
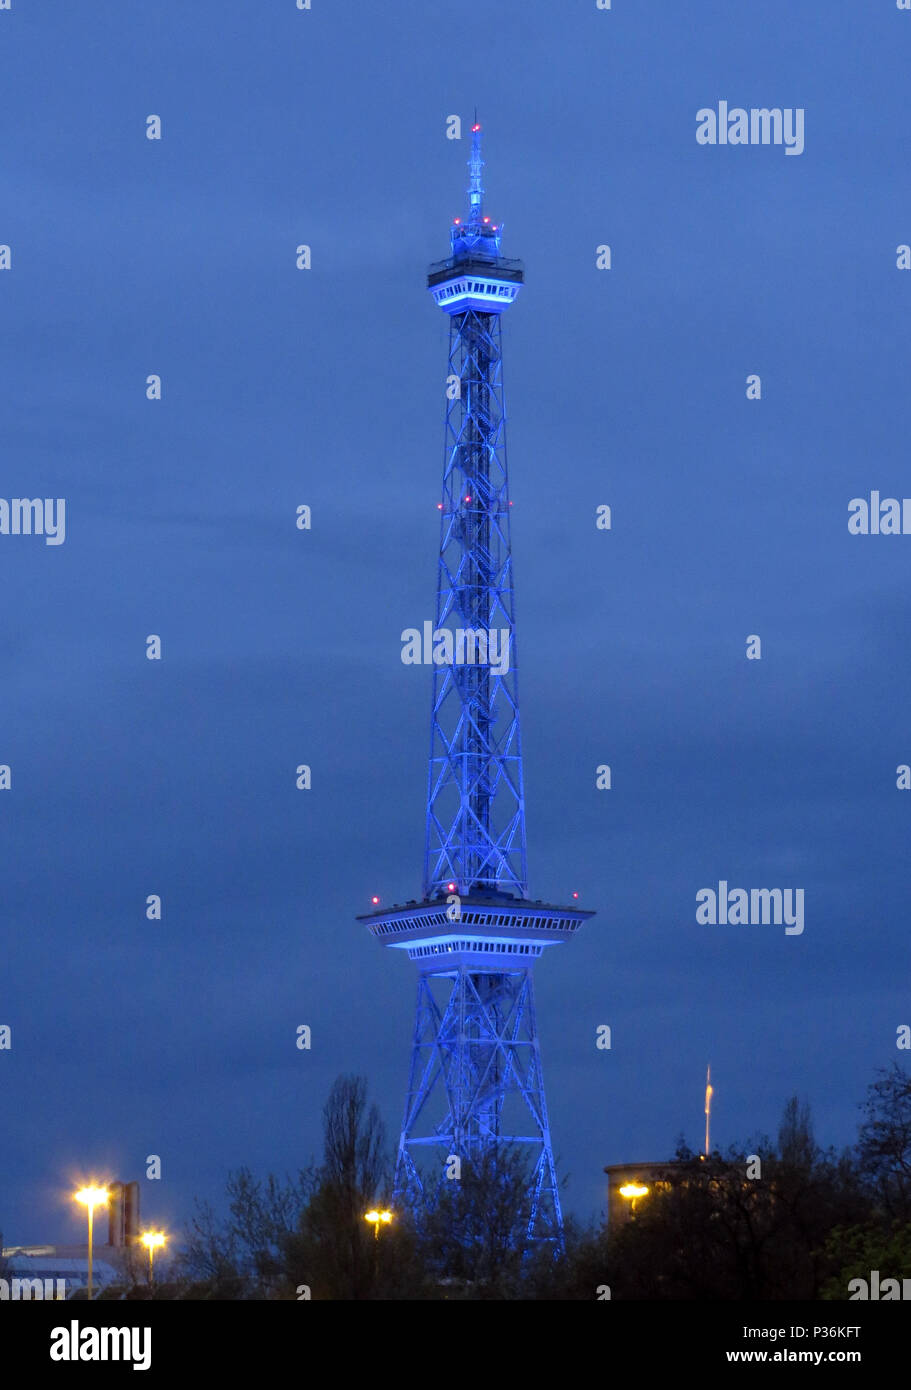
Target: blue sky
325,387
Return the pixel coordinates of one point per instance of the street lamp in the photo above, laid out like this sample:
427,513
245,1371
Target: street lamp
91,1197
631,1191
152,1240
377,1219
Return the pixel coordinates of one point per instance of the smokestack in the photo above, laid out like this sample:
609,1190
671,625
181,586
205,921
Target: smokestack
123,1213
115,1214
131,1213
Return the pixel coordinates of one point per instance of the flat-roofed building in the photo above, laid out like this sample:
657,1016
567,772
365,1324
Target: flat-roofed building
629,1186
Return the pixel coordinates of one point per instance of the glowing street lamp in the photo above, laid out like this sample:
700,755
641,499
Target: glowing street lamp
92,1197
632,1191
152,1240
377,1219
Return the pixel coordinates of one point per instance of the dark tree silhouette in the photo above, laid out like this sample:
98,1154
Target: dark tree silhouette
884,1144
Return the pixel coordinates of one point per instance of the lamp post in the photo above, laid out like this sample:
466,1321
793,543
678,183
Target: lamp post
91,1197
377,1219
152,1240
631,1191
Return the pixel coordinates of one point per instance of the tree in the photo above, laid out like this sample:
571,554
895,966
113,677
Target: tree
310,1231
796,1143
354,1142
716,1233
855,1252
333,1251
243,1256
884,1146
473,1237
883,1240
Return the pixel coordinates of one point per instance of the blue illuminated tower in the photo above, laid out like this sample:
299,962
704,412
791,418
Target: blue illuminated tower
476,1082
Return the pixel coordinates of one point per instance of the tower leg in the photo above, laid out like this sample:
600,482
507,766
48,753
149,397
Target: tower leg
476,1089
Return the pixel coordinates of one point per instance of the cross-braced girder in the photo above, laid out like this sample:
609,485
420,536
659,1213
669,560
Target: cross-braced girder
476,1083
476,802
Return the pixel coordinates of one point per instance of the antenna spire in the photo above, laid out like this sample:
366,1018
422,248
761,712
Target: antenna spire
475,165
709,1089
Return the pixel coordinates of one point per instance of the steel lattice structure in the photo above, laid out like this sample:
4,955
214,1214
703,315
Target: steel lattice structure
475,1083
475,803
481,1049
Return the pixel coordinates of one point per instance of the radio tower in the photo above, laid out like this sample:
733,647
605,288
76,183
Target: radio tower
475,1083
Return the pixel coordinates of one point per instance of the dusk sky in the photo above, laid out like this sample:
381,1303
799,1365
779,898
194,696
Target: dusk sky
283,387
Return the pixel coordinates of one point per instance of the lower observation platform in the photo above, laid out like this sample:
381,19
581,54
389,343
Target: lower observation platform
490,934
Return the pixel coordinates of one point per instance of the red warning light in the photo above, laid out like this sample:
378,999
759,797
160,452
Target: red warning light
575,895
439,506
485,219
456,221
375,901
467,499
474,128
450,887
